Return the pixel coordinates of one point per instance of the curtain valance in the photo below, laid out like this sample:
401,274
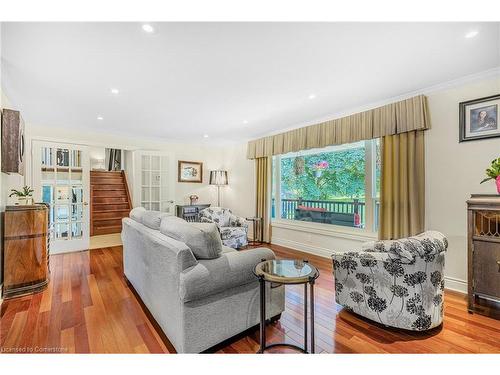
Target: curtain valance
395,118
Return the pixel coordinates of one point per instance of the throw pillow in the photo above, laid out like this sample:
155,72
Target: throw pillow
202,238
137,213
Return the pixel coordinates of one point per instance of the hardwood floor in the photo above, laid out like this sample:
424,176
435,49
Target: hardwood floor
88,308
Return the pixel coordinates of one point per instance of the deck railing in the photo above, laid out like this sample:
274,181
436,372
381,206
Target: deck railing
288,207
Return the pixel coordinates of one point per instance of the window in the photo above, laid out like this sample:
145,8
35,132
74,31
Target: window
338,185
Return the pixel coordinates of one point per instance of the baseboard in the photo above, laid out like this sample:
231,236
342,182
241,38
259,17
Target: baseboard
311,249
455,284
451,283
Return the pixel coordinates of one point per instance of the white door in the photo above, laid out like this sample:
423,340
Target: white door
61,174
155,190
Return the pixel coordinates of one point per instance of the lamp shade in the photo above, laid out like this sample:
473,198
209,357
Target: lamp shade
218,178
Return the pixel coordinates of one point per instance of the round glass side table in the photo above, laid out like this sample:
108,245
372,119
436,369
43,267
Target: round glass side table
286,271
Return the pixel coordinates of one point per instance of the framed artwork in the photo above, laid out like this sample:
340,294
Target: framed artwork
190,171
479,118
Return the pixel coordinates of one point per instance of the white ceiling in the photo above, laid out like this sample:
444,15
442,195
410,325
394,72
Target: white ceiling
191,79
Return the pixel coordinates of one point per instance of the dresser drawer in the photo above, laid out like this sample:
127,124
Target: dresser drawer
486,269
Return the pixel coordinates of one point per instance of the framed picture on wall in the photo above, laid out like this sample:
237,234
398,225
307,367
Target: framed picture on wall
190,171
480,118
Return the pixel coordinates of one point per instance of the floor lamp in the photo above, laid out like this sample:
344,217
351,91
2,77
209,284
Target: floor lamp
218,178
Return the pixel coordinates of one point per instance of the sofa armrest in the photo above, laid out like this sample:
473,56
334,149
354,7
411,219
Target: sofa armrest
237,221
212,276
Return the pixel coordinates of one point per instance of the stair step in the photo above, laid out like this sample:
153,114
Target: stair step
107,229
116,215
110,206
109,193
105,172
125,210
108,200
98,223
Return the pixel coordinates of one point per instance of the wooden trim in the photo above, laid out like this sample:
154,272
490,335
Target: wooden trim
200,164
125,182
91,213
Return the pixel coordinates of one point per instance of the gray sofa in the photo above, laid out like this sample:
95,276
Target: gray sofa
197,302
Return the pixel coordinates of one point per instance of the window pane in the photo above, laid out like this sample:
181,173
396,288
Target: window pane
63,157
326,186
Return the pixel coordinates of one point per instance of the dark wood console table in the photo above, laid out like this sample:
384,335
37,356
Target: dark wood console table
190,212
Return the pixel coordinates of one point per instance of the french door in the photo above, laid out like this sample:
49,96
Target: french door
156,190
61,179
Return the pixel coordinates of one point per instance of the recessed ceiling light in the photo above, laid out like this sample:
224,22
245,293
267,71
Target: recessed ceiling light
471,34
205,135
148,28
100,118
115,91
312,96
245,121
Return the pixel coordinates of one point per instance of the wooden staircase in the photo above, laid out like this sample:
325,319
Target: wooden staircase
109,201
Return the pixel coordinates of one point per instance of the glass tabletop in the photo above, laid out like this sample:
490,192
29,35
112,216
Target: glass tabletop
286,271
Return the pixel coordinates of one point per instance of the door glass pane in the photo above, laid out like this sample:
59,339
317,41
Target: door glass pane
76,158
146,205
62,176
76,212
62,193
62,213
62,157
155,194
145,194
155,163
77,194
48,175
145,162
47,156
155,178
146,178
62,231
47,194
155,206
76,230
76,176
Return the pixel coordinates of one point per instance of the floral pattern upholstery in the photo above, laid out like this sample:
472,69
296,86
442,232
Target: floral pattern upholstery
233,229
398,283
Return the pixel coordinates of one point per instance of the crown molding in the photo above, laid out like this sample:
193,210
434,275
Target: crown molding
494,72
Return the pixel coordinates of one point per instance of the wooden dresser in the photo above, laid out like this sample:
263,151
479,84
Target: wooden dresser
190,212
483,217
26,249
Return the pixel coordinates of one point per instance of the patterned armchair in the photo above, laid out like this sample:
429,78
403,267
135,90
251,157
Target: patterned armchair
233,229
397,283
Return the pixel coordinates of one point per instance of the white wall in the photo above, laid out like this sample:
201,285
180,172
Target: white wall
454,171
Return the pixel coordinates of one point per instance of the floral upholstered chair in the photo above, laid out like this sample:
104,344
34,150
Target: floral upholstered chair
233,229
398,283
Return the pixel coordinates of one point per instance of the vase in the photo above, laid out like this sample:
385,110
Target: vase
497,180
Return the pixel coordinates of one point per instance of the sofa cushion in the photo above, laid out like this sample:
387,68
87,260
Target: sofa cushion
202,238
152,219
232,269
137,213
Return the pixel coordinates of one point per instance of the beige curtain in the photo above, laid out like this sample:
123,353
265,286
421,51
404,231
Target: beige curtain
395,118
402,189
263,194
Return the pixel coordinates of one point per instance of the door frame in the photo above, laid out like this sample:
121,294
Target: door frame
70,245
137,184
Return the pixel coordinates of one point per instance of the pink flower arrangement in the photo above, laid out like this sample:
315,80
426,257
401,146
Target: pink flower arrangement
321,165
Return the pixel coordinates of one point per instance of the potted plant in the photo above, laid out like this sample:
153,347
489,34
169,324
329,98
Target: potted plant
493,173
24,196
